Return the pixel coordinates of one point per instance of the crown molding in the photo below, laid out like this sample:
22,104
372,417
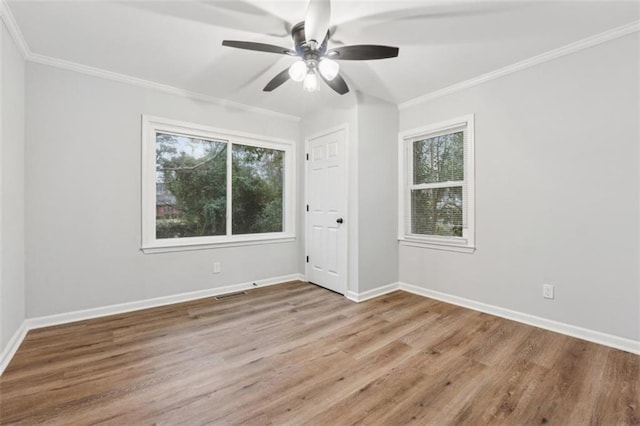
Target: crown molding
568,49
147,84
13,28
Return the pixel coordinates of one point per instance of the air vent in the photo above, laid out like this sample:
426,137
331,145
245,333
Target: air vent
230,295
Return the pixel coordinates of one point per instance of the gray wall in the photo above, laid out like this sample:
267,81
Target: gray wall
12,273
83,197
557,191
372,192
378,193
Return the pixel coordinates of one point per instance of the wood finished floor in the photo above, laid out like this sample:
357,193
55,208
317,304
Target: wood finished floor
298,354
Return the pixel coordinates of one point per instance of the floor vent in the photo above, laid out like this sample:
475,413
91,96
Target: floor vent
230,295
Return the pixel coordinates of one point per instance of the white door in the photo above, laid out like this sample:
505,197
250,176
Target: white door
326,204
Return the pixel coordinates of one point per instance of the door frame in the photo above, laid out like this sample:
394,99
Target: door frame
345,128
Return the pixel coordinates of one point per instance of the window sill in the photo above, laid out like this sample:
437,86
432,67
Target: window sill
438,245
188,246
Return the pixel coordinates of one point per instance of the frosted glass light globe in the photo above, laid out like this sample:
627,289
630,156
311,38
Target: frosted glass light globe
310,82
328,68
298,71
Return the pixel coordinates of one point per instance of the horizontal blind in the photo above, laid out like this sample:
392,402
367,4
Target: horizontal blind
436,196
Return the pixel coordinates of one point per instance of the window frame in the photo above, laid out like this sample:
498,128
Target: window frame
466,243
150,244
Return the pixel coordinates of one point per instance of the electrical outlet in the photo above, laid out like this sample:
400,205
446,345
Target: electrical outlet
216,267
547,291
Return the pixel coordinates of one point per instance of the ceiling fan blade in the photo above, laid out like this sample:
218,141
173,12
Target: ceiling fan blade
260,47
277,81
338,84
316,22
362,52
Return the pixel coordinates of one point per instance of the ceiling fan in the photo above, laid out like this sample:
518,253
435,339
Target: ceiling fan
310,39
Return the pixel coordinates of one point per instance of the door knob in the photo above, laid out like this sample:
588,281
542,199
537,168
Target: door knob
339,220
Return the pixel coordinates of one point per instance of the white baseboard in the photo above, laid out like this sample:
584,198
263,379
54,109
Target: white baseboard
605,339
370,294
12,346
85,314
617,342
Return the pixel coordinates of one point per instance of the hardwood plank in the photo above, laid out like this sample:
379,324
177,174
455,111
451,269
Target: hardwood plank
507,388
330,383
434,400
298,354
618,399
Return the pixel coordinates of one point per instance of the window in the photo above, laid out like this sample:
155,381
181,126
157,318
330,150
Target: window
205,187
437,186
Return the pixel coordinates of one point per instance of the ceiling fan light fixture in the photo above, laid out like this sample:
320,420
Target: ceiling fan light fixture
310,83
298,71
328,68
311,39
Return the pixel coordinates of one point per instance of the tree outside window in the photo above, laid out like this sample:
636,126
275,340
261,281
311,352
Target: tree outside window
437,200
191,181
438,178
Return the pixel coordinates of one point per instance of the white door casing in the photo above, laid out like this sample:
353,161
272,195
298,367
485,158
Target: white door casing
326,238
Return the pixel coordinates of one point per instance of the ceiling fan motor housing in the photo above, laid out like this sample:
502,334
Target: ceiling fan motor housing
304,49
316,61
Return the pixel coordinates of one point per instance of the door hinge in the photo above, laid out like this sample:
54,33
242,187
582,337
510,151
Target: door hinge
307,207
307,156
307,259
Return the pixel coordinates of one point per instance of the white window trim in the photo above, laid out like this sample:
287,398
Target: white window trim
457,244
149,243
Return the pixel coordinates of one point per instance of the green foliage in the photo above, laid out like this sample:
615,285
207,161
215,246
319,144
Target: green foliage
195,172
199,185
438,211
174,228
439,159
257,190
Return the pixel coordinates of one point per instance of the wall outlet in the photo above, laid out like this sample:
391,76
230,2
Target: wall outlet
547,291
216,267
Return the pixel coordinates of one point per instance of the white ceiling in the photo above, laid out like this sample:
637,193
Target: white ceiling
178,43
